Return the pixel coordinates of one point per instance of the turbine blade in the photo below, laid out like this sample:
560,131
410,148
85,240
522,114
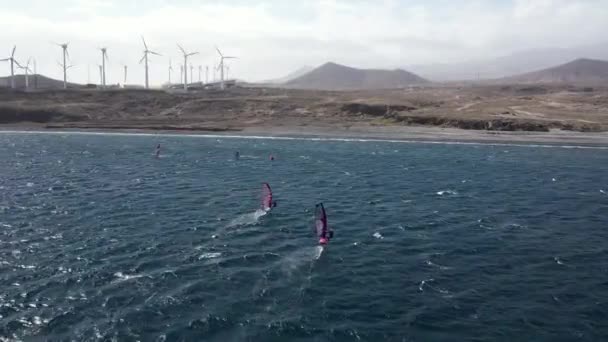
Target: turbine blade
155,53
143,40
218,51
13,53
182,49
192,54
5,59
230,57
142,58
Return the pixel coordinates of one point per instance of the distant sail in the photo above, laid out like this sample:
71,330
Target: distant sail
321,221
266,197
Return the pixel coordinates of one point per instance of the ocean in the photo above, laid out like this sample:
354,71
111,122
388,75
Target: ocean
100,240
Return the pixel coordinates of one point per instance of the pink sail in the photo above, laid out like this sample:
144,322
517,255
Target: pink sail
321,221
266,197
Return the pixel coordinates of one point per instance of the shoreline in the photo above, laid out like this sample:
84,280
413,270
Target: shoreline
352,133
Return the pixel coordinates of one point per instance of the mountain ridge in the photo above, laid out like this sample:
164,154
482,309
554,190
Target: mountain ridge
334,76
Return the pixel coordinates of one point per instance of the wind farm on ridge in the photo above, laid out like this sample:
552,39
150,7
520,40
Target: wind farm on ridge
185,82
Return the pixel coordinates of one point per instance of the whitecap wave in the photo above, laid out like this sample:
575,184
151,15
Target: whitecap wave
210,255
124,277
427,282
377,235
422,283
441,267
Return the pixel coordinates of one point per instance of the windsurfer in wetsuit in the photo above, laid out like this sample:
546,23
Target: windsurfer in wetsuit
328,235
158,151
237,155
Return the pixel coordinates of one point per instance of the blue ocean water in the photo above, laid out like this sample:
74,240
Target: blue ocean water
99,240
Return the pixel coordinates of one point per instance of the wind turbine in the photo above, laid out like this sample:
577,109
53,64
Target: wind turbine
104,58
65,65
13,62
186,55
145,58
125,80
221,66
200,72
206,74
27,69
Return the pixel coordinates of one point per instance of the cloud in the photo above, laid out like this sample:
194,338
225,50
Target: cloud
274,37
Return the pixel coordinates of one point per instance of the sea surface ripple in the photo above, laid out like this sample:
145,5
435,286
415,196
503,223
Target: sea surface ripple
101,241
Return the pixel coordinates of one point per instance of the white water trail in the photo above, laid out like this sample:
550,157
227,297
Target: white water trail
247,219
300,258
243,220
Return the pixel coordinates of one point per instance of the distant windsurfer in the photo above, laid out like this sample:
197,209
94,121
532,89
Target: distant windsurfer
158,151
321,228
271,157
237,155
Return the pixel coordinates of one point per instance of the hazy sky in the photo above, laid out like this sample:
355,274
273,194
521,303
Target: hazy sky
274,37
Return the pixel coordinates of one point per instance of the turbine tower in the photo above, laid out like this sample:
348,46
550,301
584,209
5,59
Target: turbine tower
170,70
206,74
26,68
200,72
65,66
221,66
100,74
104,58
125,80
13,62
186,55
145,58
191,73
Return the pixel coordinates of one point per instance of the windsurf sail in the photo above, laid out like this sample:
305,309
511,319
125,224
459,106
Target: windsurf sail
266,197
321,222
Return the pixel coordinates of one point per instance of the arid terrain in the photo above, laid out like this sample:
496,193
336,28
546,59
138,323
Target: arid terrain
532,108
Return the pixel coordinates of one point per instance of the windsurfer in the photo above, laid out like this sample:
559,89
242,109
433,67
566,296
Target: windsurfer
323,232
267,202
